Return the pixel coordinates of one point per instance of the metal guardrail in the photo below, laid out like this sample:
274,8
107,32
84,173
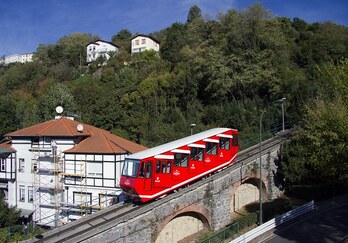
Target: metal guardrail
271,224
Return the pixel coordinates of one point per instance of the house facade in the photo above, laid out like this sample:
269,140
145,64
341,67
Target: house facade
140,43
100,48
60,170
22,58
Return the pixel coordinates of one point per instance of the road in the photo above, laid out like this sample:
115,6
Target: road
328,223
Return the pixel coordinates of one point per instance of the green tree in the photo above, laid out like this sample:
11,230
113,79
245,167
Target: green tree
7,114
122,39
194,13
8,215
57,94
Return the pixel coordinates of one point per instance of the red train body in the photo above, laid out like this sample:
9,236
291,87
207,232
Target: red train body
155,172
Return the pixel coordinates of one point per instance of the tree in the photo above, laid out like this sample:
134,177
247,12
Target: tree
122,39
7,115
194,13
319,150
57,94
8,215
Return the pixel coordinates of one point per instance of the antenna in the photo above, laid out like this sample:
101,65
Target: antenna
59,109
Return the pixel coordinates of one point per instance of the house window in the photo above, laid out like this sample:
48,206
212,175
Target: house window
180,160
143,41
35,142
22,193
21,166
30,194
2,165
137,42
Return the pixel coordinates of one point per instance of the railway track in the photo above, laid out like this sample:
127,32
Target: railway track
99,222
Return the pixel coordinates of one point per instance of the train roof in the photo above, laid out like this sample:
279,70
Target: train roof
177,143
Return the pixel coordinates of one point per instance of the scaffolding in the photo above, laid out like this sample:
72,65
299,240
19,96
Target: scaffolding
51,201
60,186
46,167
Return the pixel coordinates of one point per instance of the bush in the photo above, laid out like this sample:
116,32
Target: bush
247,220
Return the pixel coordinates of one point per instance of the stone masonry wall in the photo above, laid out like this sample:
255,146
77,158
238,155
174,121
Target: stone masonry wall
209,202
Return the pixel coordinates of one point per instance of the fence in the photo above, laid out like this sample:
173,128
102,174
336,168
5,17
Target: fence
226,233
271,224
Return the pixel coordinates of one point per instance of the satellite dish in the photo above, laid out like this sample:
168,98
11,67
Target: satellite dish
79,128
59,109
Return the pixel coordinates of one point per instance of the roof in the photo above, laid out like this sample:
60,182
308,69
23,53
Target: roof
177,143
95,43
94,140
148,36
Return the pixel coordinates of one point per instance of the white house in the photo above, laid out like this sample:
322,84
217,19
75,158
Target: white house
60,170
100,48
22,58
141,43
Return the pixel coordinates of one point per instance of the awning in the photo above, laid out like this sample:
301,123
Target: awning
6,151
26,212
3,185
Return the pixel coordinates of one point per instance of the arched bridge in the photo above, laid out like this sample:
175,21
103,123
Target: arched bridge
206,204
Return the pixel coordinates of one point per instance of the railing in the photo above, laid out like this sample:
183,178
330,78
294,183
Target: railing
226,233
271,224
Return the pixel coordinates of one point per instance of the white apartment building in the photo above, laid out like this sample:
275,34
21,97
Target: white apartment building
22,58
100,48
140,43
60,170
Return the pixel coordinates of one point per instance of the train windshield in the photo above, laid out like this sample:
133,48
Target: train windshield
130,168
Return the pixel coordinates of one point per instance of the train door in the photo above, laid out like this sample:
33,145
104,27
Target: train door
163,171
224,148
179,172
148,176
211,151
235,144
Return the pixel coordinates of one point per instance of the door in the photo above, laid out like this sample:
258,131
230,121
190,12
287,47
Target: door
224,153
148,176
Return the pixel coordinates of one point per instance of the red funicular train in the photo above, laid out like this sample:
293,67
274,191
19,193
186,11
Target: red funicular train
157,171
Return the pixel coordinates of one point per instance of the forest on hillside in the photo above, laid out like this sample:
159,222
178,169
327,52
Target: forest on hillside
213,72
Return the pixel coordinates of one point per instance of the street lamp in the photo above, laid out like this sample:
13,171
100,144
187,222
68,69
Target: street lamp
281,101
192,126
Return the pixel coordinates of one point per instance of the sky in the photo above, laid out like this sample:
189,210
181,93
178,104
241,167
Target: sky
24,24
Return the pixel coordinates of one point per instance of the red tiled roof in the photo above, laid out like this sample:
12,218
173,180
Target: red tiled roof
95,140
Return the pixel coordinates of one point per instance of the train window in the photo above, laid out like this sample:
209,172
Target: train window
211,148
224,143
180,160
169,165
148,169
142,169
197,154
235,141
130,168
164,167
158,166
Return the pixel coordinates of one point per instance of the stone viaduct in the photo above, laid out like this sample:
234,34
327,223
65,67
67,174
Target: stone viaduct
207,205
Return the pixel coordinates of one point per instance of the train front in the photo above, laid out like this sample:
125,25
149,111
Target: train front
128,180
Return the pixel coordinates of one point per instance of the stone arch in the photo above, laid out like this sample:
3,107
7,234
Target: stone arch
247,191
191,219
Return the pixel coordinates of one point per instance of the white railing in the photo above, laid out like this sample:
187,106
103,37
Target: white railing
271,224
